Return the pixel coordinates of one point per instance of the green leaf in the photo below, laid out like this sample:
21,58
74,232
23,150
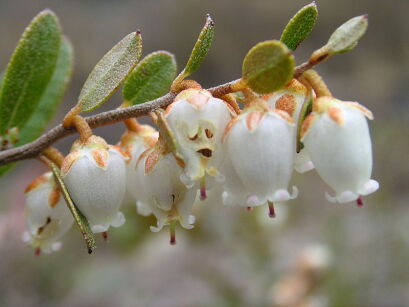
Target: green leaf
346,37
306,109
300,26
79,218
268,66
201,47
29,71
151,78
49,101
51,97
110,72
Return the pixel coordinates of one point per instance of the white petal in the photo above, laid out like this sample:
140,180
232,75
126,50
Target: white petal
98,192
341,153
369,187
263,158
302,162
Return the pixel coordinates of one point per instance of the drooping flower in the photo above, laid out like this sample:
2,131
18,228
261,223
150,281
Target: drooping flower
134,143
95,175
198,120
261,146
47,216
291,99
167,197
336,135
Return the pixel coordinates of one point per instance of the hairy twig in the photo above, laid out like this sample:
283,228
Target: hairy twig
35,148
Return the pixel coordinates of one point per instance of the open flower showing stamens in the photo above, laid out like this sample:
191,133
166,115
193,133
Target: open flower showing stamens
198,120
291,99
336,135
167,197
261,146
47,216
95,175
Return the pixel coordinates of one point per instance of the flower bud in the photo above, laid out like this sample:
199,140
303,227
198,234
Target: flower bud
291,99
95,175
261,146
336,135
47,215
198,120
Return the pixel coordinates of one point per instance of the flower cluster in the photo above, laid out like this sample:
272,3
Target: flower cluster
248,157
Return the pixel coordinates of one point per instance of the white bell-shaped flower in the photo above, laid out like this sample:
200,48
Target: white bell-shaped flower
197,120
134,143
291,99
261,146
47,215
95,175
167,197
336,135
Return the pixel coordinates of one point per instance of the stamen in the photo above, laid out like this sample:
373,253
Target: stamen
172,232
271,211
37,251
105,236
360,202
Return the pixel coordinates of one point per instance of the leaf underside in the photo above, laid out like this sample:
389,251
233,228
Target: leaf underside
110,72
346,37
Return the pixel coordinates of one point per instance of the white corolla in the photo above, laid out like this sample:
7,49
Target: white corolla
291,99
47,216
134,143
198,120
167,197
336,135
260,144
95,175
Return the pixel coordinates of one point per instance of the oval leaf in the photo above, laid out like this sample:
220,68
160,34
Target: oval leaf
347,35
110,71
268,66
150,79
51,97
29,71
49,101
201,47
300,26
79,218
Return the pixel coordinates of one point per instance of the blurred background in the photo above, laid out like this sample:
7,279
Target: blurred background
313,254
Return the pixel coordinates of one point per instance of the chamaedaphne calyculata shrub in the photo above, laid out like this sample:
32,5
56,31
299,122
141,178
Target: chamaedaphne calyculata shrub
241,140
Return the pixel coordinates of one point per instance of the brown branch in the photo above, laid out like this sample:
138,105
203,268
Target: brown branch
34,149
